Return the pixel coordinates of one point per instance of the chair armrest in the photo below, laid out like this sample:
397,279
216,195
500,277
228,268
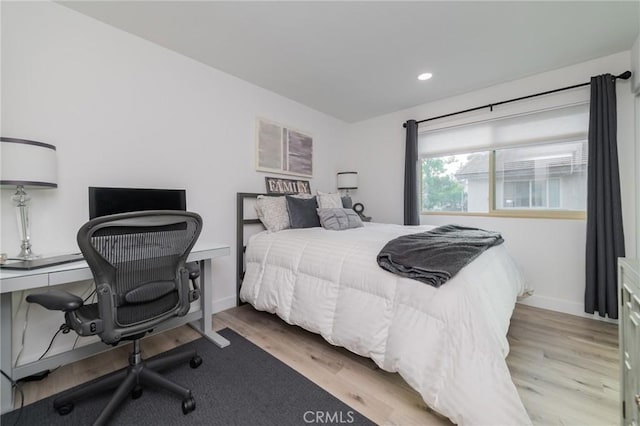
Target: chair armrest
194,273
56,300
194,270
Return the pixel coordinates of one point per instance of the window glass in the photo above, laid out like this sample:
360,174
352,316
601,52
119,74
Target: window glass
554,193
456,183
516,194
547,176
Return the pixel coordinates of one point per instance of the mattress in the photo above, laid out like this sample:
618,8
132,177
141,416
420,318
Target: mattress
448,343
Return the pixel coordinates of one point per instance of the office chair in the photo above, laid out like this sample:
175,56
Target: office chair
138,261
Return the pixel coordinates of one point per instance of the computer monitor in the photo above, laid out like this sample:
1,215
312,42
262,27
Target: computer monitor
106,201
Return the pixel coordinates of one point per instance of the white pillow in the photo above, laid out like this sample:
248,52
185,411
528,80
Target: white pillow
273,213
329,201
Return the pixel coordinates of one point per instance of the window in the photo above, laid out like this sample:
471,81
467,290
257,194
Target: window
531,165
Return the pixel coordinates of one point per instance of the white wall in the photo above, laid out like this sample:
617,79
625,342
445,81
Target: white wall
550,252
635,65
637,179
635,68
125,112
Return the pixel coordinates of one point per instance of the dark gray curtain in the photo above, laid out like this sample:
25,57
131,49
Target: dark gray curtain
605,236
411,199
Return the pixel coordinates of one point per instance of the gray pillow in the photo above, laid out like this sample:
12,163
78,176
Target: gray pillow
339,219
302,212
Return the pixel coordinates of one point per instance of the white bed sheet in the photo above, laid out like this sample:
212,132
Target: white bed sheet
448,343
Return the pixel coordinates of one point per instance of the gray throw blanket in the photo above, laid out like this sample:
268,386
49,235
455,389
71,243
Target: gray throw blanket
435,256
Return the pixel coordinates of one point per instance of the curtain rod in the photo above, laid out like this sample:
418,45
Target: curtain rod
624,76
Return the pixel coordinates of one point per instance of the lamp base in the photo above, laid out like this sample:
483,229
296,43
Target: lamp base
21,200
27,254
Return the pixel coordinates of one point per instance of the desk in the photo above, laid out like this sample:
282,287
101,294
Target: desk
12,281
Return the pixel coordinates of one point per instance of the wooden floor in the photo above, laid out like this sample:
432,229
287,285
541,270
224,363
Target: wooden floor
565,367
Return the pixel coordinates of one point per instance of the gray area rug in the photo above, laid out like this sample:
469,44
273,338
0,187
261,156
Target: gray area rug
238,385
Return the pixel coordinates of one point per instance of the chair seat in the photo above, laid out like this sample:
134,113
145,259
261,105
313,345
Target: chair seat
129,314
88,313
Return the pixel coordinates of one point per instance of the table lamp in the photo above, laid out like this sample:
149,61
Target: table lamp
26,164
347,181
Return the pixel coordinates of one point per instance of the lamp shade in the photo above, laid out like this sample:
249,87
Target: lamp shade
348,180
27,163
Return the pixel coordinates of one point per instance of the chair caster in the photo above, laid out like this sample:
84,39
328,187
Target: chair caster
64,409
188,405
195,362
136,392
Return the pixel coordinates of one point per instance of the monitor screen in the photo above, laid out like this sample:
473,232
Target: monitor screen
106,201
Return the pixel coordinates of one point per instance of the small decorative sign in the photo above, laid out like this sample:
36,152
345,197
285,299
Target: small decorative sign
287,186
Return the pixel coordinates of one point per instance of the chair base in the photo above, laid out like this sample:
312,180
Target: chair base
131,380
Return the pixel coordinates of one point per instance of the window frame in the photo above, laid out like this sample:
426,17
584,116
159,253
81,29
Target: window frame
542,213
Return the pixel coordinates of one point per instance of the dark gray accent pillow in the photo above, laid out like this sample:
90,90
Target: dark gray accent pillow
339,219
302,212
347,202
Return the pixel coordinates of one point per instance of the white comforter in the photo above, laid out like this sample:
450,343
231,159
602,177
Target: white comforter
448,343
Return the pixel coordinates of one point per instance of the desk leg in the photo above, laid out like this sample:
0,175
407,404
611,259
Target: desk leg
206,295
6,339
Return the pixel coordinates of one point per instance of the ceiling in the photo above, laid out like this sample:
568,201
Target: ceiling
357,60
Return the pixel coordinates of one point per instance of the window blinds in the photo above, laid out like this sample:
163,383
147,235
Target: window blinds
568,123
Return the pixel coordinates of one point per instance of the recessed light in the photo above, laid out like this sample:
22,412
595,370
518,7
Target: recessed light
425,76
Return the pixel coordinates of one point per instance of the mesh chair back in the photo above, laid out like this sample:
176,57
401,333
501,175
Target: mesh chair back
137,260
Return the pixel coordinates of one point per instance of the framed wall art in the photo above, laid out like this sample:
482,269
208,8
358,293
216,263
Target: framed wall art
281,149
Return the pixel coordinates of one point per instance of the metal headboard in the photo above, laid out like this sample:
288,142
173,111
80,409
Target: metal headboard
241,222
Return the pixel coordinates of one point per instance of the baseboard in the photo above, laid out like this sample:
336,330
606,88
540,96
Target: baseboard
564,306
550,303
224,304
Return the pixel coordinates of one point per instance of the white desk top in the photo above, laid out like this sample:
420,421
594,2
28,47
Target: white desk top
16,280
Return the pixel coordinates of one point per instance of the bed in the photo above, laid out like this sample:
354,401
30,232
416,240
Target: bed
448,343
